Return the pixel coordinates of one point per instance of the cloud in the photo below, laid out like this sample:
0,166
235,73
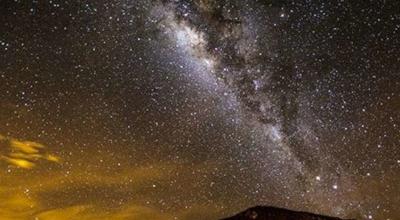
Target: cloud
24,154
87,212
90,189
14,205
49,196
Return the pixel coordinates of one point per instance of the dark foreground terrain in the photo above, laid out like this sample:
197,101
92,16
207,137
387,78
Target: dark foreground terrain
272,213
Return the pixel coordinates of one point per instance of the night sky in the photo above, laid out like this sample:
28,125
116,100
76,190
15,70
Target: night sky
198,109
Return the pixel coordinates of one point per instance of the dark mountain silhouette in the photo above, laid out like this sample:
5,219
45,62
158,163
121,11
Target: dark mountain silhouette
273,213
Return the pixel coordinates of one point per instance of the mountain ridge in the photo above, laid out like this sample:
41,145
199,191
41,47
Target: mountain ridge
275,213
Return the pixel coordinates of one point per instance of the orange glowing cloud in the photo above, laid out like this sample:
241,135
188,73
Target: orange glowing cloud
24,154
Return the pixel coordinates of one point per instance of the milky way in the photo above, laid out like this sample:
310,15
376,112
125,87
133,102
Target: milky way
197,109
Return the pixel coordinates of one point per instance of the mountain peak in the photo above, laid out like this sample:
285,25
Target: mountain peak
274,213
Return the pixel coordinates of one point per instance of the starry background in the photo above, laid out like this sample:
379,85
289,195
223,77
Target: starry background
198,109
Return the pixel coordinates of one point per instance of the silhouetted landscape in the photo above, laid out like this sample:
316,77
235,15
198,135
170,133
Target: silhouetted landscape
273,213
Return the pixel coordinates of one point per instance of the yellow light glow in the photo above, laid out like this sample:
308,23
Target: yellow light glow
22,163
26,146
25,154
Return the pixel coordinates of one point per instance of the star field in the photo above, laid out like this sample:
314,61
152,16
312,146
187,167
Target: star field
198,109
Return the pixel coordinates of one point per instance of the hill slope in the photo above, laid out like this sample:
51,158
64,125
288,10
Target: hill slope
273,213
